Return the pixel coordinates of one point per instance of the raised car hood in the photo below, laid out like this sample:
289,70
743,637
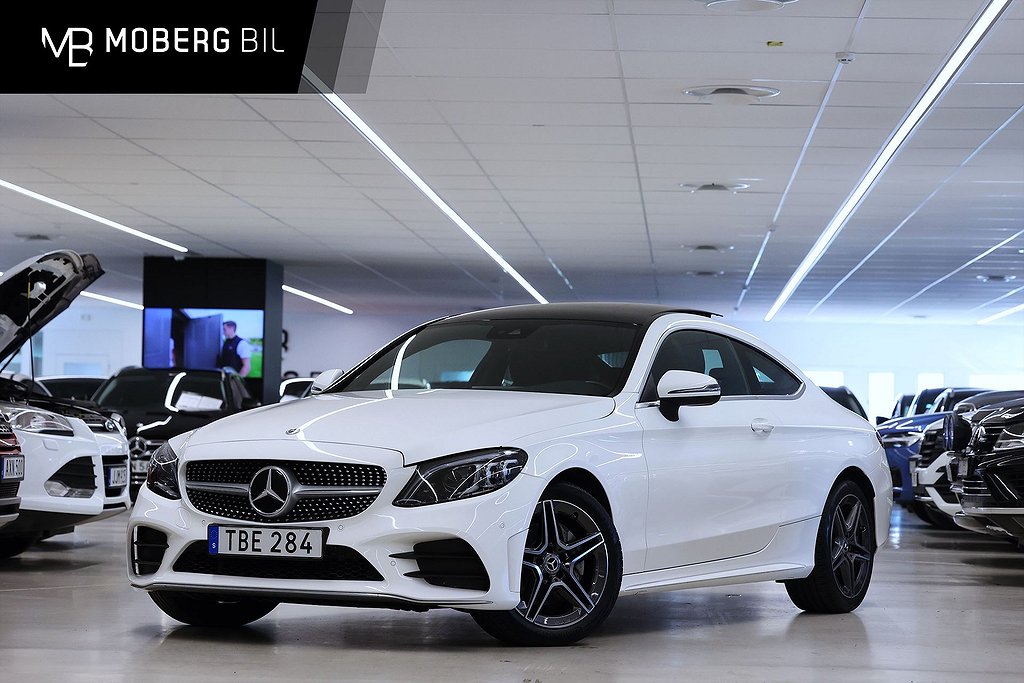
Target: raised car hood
34,292
419,424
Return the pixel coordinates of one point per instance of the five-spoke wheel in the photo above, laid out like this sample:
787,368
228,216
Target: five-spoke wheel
843,557
572,569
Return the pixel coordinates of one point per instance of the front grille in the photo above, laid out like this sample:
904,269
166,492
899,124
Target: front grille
451,563
110,462
9,489
931,447
985,444
975,486
306,472
339,563
77,474
148,548
313,508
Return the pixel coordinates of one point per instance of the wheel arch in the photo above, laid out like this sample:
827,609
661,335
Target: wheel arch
587,481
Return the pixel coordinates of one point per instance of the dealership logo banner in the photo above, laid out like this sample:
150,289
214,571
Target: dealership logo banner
216,46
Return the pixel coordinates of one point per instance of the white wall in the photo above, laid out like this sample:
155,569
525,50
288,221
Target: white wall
89,338
957,352
318,342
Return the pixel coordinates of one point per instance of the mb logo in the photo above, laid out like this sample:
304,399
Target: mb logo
76,41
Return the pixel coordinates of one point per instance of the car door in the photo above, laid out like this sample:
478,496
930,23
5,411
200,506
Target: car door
708,471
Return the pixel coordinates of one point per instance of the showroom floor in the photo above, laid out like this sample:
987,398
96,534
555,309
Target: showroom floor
943,604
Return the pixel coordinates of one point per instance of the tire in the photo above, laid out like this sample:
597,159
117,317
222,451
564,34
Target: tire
10,546
202,609
572,571
844,555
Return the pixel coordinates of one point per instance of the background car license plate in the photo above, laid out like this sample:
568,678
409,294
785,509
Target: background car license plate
117,476
14,467
265,541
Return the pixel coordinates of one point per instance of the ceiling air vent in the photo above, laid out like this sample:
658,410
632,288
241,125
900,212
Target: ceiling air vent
714,187
33,237
996,278
708,248
705,273
731,94
745,5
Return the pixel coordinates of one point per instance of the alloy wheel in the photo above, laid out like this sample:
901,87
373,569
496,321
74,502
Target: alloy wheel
565,566
850,545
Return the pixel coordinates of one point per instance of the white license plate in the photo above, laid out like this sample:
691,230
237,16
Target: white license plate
265,541
117,476
14,467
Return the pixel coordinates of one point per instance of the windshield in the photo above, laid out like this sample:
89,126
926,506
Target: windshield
548,356
163,391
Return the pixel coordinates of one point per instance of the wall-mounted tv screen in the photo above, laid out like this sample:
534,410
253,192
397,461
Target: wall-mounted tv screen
204,339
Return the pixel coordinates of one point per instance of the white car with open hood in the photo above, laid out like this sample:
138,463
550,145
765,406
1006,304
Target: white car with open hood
76,460
529,465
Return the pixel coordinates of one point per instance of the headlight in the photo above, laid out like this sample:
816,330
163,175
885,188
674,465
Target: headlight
1008,440
902,440
461,476
37,421
162,476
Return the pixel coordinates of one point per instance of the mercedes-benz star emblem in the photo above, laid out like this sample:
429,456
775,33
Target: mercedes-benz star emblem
270,492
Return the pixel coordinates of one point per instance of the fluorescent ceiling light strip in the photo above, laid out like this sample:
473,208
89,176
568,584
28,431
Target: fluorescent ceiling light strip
371,136
91,216
917,209
112,300
753,268
998,298
942,80
951,274
1002,314
317,299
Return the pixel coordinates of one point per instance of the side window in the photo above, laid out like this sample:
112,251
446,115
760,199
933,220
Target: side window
766,376
697,351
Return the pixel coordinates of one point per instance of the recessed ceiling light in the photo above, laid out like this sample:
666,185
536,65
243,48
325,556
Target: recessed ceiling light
996,278
708,248
745,5
731,94
714,187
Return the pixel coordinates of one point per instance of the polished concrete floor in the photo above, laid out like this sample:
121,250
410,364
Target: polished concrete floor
943,606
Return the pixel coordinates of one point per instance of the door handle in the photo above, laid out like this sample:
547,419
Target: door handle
759,425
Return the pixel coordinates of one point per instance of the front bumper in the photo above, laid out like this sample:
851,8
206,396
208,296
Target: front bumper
494,525
899,467
931,485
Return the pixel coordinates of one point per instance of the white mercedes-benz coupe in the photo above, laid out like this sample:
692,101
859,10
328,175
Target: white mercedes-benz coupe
528,465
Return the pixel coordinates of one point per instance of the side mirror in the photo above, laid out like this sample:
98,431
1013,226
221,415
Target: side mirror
957,428
678,388
324,380
250,403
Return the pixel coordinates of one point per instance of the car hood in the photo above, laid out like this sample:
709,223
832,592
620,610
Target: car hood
35,291
419,424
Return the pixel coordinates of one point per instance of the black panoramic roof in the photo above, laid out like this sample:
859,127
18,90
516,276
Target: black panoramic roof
634,314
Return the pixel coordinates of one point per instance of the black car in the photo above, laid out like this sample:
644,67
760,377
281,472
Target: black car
12,472
159,404
76,387
989,473
846,398
945,401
